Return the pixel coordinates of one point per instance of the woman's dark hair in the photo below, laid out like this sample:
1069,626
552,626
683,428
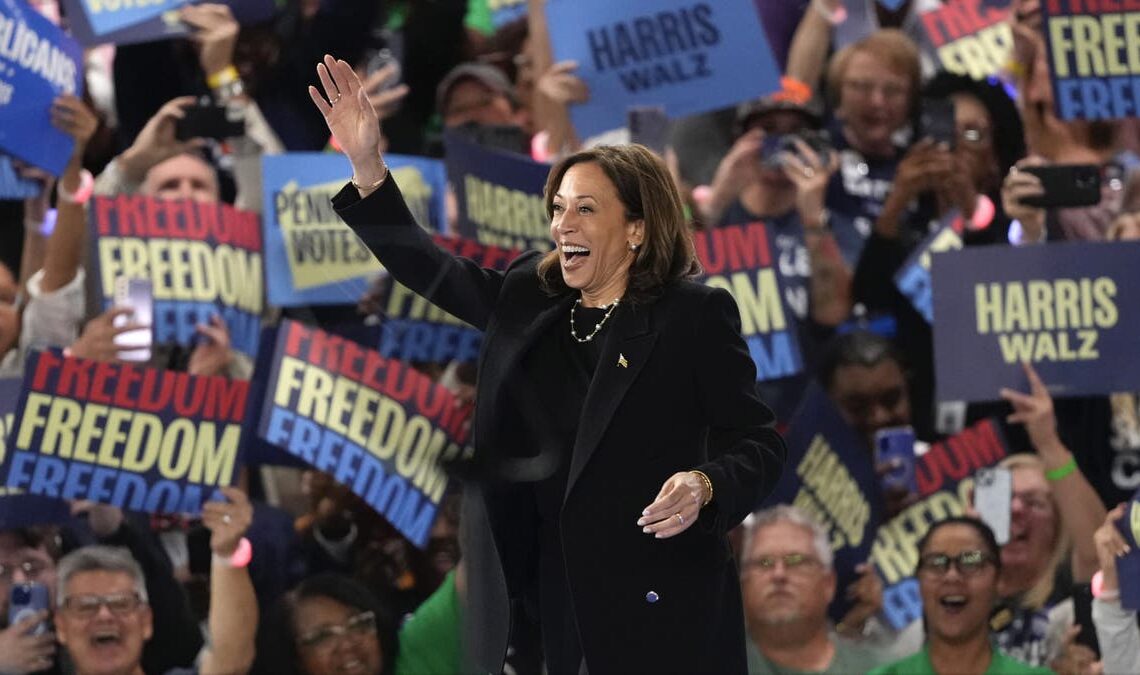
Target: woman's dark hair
648,193
277,652
1007,134
857,348
983,530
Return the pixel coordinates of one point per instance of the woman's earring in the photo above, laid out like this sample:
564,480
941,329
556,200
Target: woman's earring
633,247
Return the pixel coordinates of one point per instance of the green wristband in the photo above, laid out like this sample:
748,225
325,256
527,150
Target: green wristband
1060,472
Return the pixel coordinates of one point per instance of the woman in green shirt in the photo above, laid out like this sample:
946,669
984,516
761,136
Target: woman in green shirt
958,568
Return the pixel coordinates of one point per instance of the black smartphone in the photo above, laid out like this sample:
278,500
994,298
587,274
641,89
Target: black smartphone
208,120
775,145
1082,616
1066,185
936,121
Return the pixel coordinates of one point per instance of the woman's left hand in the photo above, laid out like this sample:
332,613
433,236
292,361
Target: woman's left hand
676,508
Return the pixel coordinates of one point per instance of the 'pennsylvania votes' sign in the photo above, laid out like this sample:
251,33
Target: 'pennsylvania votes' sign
138,438
374,424
1094,59
738,258
1070,309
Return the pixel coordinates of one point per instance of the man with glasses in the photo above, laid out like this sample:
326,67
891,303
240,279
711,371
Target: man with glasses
787,582
26,555
103,616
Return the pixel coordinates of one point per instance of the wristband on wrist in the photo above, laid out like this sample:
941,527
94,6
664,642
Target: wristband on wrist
223,77
836,17
239,558
82,193
1062,471
708,486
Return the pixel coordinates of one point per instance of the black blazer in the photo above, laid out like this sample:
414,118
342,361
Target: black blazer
686,400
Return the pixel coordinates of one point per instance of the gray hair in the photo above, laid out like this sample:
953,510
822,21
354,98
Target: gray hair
785,513
99,559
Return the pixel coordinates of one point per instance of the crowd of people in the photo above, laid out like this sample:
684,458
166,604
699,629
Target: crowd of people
295,573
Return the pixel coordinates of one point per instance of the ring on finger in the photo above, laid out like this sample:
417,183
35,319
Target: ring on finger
227,518
809,172
679,517
335,100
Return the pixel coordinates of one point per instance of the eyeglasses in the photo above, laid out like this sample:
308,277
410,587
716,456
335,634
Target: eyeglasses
324,637
87,606
968,563
31,569
974,135
793,562
1034,501
889,90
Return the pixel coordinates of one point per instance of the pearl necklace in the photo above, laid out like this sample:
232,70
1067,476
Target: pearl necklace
612,306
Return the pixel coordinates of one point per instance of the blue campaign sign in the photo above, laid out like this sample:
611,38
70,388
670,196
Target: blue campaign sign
138,438
38,62
312,256
913,278
689,57
829,475
1090,63
14,186
1072,310
95,22
740,260
17,508
499,195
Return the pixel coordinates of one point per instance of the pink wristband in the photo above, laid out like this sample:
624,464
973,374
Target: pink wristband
82,193
241,556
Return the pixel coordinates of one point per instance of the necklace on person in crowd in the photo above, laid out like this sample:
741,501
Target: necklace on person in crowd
597,327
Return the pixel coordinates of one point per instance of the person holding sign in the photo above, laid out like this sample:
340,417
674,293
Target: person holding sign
1116,630
622,392
959,566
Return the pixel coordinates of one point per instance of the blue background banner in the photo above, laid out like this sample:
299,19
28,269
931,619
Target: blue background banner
138,438
312,257
19,509
829,475
1070,309
499,195
38,62
506,11
688,56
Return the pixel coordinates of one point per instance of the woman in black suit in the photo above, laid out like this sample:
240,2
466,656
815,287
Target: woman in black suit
631,384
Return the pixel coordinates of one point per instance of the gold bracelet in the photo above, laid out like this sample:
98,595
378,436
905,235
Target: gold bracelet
222,77
373,186
708,486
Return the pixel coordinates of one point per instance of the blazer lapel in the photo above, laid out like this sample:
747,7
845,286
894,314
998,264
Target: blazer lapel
624,352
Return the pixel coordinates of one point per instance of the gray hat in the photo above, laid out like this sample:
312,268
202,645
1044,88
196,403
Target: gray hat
791,97
486,75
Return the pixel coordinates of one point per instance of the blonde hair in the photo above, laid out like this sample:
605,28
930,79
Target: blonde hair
890,46
1038,594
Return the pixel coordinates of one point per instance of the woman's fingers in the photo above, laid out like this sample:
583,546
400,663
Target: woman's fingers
332,93
319,101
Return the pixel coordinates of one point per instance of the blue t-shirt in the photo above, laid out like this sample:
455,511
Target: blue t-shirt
856,194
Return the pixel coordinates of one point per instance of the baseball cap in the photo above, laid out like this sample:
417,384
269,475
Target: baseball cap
487,75
792,96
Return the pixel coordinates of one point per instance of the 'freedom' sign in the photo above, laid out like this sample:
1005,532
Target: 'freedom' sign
202,259
738,258
138,438
687,56
970,37
1093,59
38,62
1070,309
374,424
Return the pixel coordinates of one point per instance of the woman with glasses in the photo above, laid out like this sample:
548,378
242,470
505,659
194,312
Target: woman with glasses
329,624
959,567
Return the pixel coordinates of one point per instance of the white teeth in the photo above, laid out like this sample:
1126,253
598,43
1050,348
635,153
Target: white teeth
574,249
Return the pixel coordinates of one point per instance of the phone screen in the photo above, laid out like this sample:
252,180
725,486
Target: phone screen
136,294
937,121
896,445
25,600
993,495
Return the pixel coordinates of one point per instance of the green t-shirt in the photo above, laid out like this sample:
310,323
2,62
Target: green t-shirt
430,638
919,664
848,659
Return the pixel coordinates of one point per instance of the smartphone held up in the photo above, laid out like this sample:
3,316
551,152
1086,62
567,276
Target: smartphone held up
136,295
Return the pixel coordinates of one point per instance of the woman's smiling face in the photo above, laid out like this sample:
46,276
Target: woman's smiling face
593,234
